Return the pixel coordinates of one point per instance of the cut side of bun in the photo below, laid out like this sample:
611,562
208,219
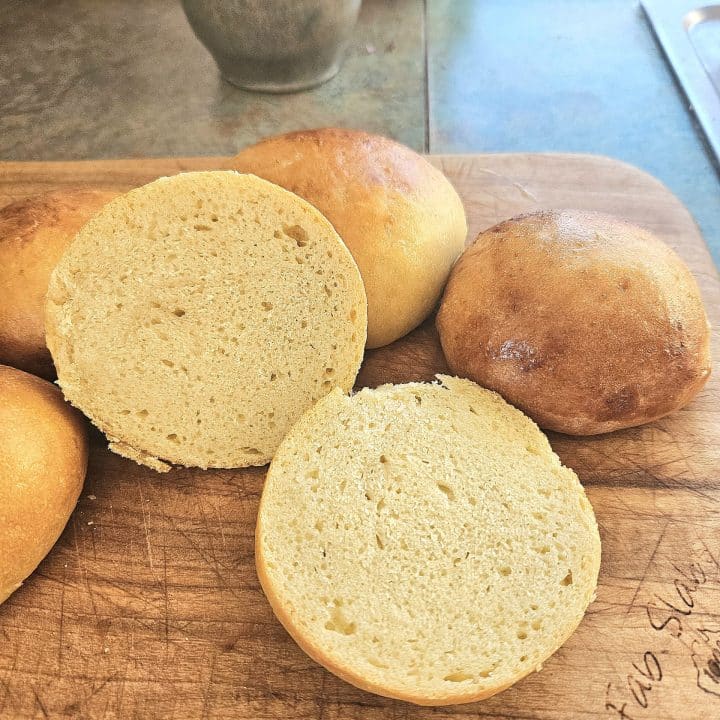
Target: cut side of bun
423,541
195,319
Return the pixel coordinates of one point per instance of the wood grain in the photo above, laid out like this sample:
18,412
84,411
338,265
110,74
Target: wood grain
149,606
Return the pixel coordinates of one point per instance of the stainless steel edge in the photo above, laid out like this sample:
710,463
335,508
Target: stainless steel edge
672,21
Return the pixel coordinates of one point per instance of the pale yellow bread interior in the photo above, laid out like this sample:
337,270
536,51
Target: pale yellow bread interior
196,318
423,541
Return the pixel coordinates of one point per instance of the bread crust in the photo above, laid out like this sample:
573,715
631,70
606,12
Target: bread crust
43,459
400,217
587,323
34,233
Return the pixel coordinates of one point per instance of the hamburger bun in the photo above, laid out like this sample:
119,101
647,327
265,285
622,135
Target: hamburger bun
33,235
423,542
43,458
400,217
196,318
585,322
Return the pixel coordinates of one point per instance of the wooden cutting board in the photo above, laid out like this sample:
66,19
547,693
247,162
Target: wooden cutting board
149,606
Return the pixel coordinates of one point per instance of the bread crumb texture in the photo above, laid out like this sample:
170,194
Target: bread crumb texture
424,542
196,318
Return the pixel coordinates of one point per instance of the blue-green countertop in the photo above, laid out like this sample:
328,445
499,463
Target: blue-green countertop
570,76
84,79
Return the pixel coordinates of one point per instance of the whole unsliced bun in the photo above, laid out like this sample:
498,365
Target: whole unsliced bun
585,322
33,235
424,542
194,319
43,458
400,217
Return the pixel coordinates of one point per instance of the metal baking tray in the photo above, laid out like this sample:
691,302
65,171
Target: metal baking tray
690,37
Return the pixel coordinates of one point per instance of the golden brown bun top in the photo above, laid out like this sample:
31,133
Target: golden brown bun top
400,217
43,457
346,157
584,321
34,232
